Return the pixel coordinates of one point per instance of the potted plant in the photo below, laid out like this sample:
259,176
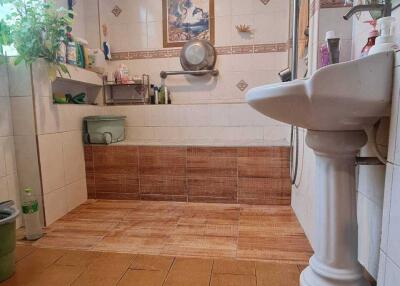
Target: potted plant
36,29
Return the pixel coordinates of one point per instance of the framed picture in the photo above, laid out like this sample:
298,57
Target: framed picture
184,20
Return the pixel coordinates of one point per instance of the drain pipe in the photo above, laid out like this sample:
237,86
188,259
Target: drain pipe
294,137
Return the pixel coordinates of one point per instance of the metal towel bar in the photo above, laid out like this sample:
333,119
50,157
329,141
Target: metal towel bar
165,74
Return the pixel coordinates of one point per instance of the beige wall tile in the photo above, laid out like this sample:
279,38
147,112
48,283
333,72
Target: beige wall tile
76,194
19,80
73,157
5,117
52,162
4,81
22,115
55,205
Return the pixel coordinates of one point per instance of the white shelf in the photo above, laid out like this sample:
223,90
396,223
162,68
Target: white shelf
81,76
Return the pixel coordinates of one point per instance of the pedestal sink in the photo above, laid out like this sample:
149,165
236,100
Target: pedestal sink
335,105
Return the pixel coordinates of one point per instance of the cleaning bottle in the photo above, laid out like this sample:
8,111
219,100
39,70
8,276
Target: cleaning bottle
385,42
30,209
324,50
373,34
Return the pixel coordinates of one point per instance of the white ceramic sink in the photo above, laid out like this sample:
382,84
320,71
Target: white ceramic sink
346,96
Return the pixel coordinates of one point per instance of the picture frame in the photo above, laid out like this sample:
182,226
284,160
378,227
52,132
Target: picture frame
184,20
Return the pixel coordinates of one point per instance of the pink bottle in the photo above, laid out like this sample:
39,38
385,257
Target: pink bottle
371,38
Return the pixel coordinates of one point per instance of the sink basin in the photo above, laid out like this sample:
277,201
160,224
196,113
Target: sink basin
346,96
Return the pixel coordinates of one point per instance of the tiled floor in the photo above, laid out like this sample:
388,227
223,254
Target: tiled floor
49,267
263,233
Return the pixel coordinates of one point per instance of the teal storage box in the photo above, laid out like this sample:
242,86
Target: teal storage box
103,129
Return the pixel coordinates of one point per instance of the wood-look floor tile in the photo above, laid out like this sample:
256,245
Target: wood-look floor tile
269,274
233,266
33,265
57,275
203,246
233,280
152,262
21,251
142,278
189,272
77,258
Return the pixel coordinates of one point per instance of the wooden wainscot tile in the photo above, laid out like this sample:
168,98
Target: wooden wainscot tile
212,189
162,185
162,161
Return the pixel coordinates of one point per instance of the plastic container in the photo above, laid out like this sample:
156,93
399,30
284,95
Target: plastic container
30,210
71,53
104,129
8,216
385,42
324,49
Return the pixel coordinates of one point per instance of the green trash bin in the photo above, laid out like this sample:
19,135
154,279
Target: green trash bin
8,215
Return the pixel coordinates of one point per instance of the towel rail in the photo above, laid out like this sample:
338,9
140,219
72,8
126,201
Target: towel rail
165,74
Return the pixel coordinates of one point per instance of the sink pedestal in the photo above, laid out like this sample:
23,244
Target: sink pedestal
335,262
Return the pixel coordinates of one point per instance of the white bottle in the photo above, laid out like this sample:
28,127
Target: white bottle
30,210
166,95
385,42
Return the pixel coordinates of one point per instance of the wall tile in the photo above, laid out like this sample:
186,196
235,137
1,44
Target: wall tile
48,116
162,185
3,189
6,128
394,136
369,230
22,115
394,223
382,268
223,189
52,162
169,161
19,80
4,91
55,205
74,161
76,194
386,206
392,276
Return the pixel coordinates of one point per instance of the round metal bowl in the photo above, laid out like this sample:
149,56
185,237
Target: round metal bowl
198,55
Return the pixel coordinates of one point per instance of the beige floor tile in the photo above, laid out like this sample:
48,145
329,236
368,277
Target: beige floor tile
269,274
233,280
238,267
150,262
142,278
57,275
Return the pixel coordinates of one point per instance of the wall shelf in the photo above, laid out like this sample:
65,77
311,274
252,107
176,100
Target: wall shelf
81,76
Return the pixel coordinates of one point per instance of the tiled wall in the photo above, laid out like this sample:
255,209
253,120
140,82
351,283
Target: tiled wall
204,124
251,175
9,188
61,157
248,59
389,267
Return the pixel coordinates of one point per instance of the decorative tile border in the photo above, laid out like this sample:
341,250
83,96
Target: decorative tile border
224,50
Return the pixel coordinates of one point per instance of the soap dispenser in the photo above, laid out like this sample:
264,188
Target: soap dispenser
385,42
